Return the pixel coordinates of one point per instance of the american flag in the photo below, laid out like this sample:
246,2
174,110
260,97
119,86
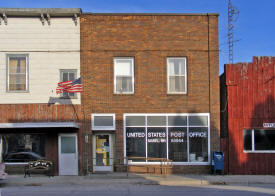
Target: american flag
71,86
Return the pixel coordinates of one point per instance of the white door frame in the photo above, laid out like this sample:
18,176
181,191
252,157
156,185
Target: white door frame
59,149
103,168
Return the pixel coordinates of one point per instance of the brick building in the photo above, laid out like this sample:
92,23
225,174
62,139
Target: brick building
151,91
248,116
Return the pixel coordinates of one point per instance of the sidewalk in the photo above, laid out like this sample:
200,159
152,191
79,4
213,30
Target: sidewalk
181,180
137,179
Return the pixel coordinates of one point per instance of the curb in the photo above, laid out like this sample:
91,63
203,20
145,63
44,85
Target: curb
137,180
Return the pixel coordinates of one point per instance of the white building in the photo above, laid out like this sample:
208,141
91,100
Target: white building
47,42
38,49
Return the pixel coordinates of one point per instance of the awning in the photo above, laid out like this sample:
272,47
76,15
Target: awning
39,125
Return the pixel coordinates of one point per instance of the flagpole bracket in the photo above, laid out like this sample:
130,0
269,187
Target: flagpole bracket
48,19
42,18
5,19
75,19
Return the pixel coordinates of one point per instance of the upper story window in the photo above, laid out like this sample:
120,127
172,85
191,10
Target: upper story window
176,75
123,75
66,75
17,73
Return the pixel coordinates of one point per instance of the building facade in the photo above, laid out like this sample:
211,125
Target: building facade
151,91
248,117
39,48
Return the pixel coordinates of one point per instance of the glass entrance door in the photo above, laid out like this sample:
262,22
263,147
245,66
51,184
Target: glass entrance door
103,152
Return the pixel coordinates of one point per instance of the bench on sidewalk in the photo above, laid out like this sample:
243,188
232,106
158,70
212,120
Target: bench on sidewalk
39,166
3,174
161,166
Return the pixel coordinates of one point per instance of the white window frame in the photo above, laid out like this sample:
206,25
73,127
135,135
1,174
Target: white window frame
168,80
61,71
103,127
253,144
26,56
133,76
167,143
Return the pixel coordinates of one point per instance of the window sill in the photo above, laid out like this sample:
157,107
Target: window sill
260,151
17,91
177,93
132,93
67,98
103,128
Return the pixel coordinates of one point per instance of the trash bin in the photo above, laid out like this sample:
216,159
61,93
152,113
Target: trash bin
218,162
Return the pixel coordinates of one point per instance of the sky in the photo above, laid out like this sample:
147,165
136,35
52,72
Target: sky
254,28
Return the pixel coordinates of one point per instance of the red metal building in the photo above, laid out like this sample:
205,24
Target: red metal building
248,116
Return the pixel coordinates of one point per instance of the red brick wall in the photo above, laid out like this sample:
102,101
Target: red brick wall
39,113
150,39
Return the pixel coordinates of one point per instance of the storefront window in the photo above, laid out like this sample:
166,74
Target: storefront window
177,120
198,121
259,140
181,138
264,139
247,140
156,141
135,121
177,144
135,142
23,147
156,121
198,144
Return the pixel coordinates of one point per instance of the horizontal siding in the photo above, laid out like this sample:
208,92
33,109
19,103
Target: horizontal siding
44,35
44,74
28,34
49,47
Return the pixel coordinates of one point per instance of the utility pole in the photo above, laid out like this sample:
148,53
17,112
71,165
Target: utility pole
233,13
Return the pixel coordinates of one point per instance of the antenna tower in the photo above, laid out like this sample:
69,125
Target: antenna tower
233,14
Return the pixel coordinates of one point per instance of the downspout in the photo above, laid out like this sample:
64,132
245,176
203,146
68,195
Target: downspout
208,45
208,59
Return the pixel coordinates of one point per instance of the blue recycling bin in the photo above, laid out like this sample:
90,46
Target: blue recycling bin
218,162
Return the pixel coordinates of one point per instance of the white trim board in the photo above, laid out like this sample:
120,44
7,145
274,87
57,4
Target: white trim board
39,125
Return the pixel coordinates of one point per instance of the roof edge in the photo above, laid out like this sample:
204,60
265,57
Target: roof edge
254,58
39,11
154,14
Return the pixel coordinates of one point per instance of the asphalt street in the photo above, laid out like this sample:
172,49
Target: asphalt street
136,190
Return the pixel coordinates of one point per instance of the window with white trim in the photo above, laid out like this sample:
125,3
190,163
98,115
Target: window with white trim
17,73
66,75
123,75
259,140
182,138
176,75
103,122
